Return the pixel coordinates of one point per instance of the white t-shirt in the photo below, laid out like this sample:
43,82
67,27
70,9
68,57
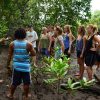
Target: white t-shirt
32,37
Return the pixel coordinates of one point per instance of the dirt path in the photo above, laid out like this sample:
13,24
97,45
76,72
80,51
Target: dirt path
38,91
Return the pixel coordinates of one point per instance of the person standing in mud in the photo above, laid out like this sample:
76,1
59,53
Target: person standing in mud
20,51
59,44
80,45
51,34
91,49
98,52
68,39
32,37
44,43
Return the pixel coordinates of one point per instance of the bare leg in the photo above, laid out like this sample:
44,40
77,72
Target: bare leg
26,91
90,72
98,66
35,61
12,90
80,61
81,68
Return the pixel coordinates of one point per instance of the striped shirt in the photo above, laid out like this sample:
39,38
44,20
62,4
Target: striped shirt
21,61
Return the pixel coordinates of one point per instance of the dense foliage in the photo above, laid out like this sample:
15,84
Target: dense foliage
95,18
17,13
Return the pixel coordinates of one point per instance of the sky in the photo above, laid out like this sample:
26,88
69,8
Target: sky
95,5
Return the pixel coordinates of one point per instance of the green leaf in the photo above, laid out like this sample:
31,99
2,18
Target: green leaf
74,85
50,81
69,82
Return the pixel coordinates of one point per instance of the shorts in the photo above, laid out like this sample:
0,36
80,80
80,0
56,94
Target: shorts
90,58
58,54
98,58
52,44
66,52
45,52
78,54
20,77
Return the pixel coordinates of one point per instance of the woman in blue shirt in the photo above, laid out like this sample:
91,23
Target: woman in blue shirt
68,40
80,49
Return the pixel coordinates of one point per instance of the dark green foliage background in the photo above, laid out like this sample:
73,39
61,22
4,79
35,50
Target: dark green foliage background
19,13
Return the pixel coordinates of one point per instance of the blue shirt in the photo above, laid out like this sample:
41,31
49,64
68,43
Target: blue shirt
21,61
66,41
79,45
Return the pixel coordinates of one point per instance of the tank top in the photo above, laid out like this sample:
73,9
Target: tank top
79,44
21,61
89,43
66,41
44,41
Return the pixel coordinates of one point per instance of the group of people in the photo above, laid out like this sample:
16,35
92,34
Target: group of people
52,38
54,41
88,49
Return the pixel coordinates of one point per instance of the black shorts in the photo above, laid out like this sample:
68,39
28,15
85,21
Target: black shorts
98,58
52,44
78,54
66,52
45,52
90,58
20,77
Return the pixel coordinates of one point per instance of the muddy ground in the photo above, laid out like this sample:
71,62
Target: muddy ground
40,91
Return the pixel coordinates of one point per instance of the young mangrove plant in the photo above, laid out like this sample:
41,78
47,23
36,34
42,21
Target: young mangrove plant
71,85
56,71
82,84
85,83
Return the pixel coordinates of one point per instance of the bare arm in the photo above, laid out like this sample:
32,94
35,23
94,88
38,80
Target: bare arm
97,39
36,37
84,44
31,49
50,41
71,39
10,54
62,45
39,45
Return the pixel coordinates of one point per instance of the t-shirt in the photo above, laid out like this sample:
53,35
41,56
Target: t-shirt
32,37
